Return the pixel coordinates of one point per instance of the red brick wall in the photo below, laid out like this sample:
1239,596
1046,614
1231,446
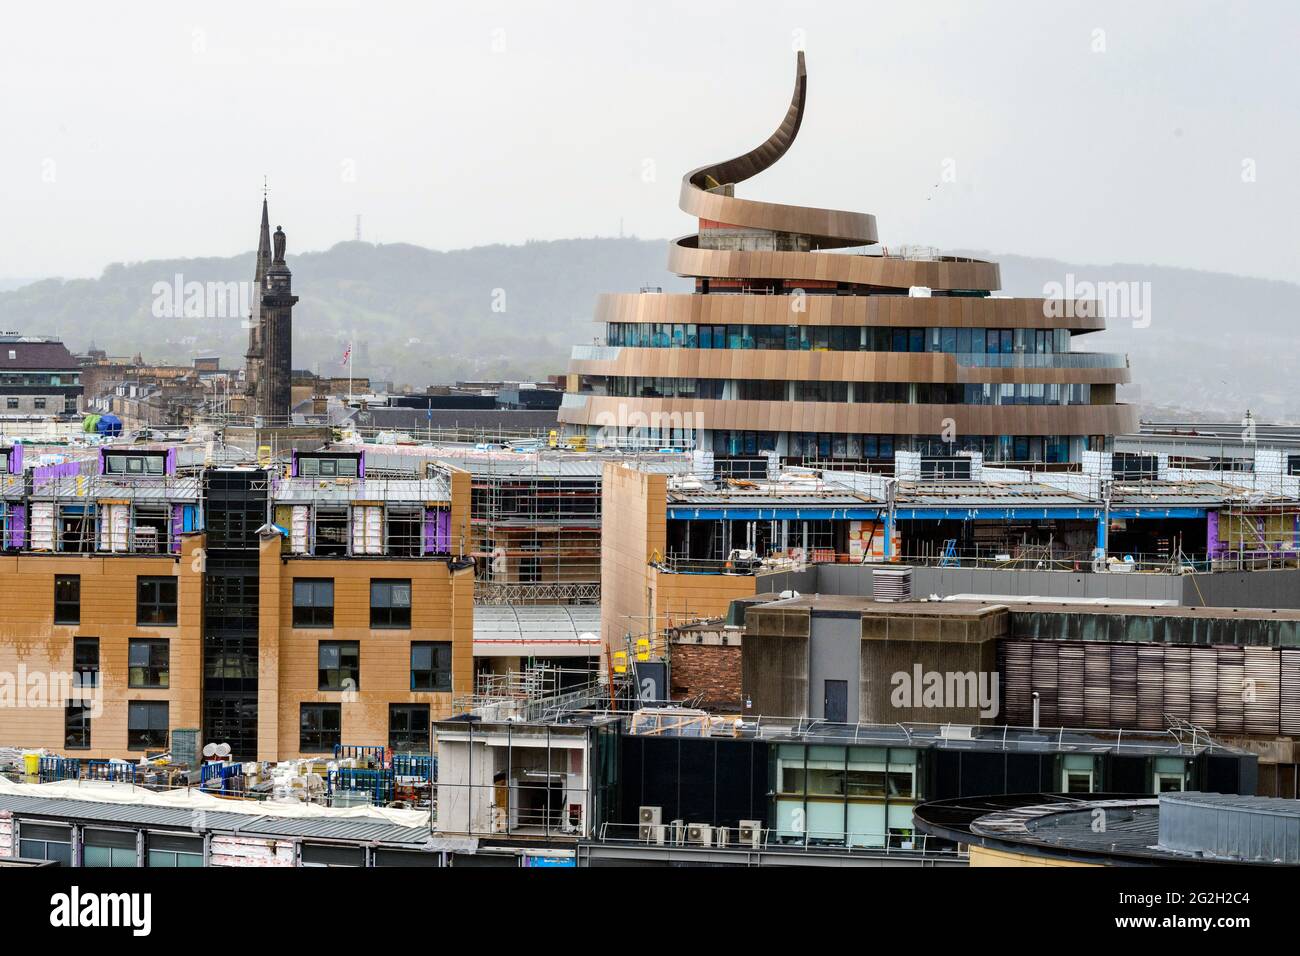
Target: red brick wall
709,669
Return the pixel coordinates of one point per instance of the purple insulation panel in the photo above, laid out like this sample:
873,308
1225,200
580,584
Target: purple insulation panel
16,460
1212,535
169,467
293,463
361,465
430,531
442,545
17,526
178,525
68,469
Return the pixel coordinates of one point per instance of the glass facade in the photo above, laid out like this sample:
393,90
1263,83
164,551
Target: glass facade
839,338
826,445
844,796
887,393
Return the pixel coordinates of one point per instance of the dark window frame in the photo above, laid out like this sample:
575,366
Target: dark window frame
354,671
145,737
390,615
154,607
82,667
431,684
321,738
83,727
413,736
63,602
313,613
162,681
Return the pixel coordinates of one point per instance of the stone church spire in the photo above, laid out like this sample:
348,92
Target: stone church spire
263,243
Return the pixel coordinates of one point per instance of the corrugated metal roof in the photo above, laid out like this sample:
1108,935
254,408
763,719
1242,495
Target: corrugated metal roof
161,489
536,622
962,493
327,490
140,814
353,829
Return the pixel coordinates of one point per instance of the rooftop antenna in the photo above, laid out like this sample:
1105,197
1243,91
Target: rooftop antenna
358,227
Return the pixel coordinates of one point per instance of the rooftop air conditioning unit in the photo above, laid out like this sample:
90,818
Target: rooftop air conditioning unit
751,833
891,584
700,834
650,829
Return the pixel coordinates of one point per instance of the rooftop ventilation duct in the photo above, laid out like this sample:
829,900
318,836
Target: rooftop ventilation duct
891,584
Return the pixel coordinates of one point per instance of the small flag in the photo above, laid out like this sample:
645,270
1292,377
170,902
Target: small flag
347,354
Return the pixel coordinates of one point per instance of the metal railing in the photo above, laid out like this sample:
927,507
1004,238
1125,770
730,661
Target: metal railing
59,768
493,593
376,785
1015,559
679,834
1040,359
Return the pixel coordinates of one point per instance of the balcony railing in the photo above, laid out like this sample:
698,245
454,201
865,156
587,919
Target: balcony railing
1041,359
609,353
749,839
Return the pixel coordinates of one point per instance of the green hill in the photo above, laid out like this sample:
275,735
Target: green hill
1216,344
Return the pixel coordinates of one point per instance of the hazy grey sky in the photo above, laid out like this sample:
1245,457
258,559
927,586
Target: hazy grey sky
135,130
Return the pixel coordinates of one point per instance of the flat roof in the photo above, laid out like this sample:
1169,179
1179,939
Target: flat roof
1061,825
684,722
866,606
355,829
844,602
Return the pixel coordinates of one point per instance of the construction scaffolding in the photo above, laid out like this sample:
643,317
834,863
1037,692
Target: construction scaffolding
535,525
1255,535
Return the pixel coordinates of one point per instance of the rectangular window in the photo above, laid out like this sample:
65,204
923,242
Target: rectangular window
431,666
156,601
108,848
166,850
328,854
146,724
120,464
38,841
309,467
313,602
85,661
1076,773
390,604
408,728
338,665
148,663
76,725
67,599
320,727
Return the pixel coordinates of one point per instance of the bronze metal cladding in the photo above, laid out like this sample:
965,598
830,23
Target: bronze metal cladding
766,264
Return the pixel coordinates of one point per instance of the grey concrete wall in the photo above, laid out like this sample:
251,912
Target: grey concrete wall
1278,588
855,579
805,582
834,654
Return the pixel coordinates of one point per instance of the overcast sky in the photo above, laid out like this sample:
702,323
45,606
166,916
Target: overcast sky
1096,132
